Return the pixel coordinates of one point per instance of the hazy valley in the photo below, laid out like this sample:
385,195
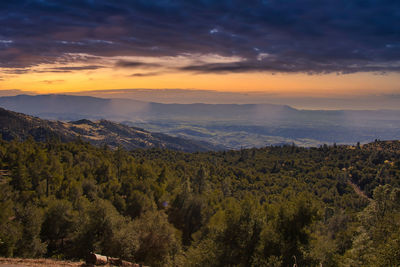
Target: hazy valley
229,126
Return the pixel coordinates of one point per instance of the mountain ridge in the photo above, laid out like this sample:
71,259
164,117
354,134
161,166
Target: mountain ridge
103,132
52,106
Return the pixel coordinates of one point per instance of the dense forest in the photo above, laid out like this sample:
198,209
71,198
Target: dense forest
274,206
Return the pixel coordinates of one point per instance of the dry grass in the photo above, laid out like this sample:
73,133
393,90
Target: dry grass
37,262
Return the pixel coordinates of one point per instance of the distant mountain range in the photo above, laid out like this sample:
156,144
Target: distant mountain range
68,107
20,126
227,125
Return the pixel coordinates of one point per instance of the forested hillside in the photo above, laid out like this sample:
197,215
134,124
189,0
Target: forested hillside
274,206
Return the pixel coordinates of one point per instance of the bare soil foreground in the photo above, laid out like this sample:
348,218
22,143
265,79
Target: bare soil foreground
18,262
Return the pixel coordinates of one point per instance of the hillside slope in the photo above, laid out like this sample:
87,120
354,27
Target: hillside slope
17,125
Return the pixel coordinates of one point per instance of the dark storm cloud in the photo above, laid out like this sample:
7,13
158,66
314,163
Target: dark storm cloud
312,36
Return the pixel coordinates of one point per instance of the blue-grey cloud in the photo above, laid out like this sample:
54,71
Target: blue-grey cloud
311,36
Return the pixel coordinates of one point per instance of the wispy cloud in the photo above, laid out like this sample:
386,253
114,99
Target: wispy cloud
71,69
16,70
6,42
145,74
135,64
52,81
288,67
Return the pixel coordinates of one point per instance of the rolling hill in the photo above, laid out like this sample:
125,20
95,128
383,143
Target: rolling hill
103,132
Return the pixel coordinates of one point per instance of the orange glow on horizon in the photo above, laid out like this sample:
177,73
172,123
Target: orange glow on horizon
281,83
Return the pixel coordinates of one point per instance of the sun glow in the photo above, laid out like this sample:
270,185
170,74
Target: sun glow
101,73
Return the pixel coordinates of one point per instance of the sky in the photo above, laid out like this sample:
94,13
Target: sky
303,48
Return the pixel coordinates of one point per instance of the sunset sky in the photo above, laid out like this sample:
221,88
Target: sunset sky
303,47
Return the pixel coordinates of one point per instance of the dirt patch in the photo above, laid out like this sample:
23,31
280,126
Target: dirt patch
18,262
358,190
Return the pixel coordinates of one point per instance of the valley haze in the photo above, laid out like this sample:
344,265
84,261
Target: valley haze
191,96
232,126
